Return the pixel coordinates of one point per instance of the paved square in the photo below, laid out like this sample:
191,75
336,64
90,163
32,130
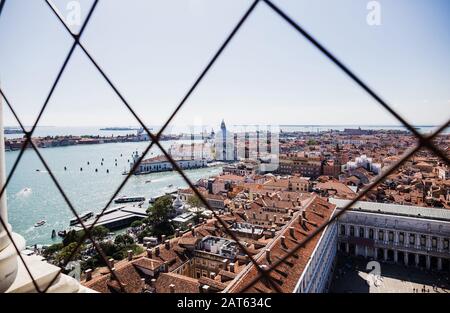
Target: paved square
351,276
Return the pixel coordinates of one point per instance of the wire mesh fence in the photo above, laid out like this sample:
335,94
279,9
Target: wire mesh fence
263,272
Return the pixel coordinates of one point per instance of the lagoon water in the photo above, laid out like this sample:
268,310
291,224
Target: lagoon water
32,195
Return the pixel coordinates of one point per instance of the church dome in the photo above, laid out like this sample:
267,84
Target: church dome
177,203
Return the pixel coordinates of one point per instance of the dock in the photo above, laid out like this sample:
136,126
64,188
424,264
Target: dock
118,217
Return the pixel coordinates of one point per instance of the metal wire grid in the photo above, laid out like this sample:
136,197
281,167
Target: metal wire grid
423,142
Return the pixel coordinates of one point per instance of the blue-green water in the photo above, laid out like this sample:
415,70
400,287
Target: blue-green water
87,190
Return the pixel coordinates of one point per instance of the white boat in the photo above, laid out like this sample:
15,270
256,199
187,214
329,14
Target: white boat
40,223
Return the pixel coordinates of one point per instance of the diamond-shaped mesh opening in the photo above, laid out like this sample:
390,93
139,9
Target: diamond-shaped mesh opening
266,275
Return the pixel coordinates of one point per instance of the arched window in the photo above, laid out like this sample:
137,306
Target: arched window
342,230
352,231
371,233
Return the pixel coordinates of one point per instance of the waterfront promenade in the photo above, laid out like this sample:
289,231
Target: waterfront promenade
14,144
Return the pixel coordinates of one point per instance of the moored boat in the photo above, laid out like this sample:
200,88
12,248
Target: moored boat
129,199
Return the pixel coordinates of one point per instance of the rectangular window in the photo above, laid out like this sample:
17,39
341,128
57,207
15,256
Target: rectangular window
412,239
434,242
380,235
401,237
445,244
423,241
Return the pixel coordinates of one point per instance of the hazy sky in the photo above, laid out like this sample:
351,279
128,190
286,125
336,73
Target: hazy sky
154,50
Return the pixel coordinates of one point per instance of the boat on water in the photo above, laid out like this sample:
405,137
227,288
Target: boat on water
169,186
84,216
125,199
40,223
148,181
62,233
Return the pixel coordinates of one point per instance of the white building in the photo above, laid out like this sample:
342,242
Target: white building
162,164
317,276
409,235
365,162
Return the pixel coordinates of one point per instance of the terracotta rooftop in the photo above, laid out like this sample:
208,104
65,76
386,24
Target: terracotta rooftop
288,273
182,284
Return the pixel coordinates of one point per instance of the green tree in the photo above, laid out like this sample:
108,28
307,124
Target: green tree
50,250
99,232
161,210
311,142
136,224
64,254
71,237
123,240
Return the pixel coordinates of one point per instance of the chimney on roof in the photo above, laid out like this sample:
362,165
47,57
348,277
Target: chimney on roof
225,264
212,275
204,289
153,282
172,288
292,232
88,273
274,218
193,231
268,255
167,244
130,255
272,231
283,241
177,232
157,250
149,253
111,262
163,238
232,267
